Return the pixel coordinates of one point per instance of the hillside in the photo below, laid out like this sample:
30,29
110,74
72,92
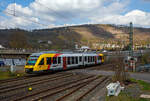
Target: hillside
67,37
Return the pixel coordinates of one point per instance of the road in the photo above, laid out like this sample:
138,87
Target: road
138,76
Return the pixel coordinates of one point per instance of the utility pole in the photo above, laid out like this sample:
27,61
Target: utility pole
130,61
14,7
131,40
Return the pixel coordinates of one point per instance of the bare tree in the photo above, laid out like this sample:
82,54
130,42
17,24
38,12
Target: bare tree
120,74
18,39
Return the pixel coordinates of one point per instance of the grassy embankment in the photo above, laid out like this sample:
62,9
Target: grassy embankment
132,92
8,75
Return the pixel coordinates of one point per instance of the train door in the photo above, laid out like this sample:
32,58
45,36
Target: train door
64,63
82,60
48,62
42,64
85,60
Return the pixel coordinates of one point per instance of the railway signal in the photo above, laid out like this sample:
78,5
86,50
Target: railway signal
130,60
130,63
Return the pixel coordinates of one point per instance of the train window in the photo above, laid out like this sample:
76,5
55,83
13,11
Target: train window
126,61
54,60
100,57
76,60
48,61
72,60
59,60
88,59
41,62
80,58
93,58
68,60
85,58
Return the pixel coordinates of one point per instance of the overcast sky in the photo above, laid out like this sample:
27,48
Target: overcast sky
31,14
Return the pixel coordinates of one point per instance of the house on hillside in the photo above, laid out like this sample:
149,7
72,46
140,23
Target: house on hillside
84,48
44,42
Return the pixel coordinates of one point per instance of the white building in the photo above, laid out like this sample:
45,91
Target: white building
84,48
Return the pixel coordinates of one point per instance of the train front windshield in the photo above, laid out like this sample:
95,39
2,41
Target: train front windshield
32,60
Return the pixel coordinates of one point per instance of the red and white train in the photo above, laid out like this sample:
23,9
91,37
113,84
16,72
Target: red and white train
51,61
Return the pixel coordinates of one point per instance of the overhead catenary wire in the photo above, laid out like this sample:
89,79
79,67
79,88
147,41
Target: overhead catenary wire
39,3
14,7
61,15
23,17
15,13
2,25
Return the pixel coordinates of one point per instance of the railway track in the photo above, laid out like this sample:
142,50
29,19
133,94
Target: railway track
102,67
13,79
28,84
33,95
26,79
91,89
22,90
19,78
55,87
78,88
81,92
83,83
75,85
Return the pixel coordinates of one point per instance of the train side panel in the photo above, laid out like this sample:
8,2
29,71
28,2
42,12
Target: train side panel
52,62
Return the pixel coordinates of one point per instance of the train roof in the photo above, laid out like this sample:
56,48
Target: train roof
43,52
66,52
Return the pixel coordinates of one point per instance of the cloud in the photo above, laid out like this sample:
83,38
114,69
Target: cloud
61,5
51,13
19,9
146,0
138,17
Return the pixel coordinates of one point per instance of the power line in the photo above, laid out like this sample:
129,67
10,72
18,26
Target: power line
6,27
54,11
39,3
64,16
14,7
23,17
15,14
